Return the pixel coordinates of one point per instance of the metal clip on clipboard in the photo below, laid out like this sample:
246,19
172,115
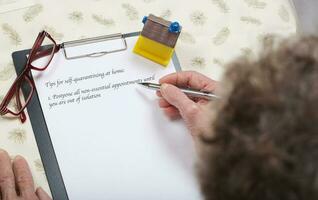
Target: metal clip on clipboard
121,46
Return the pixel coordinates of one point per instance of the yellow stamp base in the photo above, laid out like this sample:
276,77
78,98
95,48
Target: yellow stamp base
153,50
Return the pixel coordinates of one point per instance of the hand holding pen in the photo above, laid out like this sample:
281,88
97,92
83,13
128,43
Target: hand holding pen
176,103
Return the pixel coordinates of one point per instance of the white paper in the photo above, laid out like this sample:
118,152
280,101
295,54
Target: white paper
10,5
120,145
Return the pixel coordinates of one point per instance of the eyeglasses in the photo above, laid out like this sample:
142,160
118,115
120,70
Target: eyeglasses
24,80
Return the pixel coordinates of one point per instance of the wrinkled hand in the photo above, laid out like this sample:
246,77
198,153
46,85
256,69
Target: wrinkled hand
176,104
16,182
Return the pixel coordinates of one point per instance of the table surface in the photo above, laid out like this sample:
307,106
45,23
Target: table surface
214,32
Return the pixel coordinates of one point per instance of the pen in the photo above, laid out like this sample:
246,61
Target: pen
187,91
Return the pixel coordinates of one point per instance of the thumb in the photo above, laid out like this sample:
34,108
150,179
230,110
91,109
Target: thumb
187,108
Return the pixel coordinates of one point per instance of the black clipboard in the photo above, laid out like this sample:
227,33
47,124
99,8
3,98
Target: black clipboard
41,133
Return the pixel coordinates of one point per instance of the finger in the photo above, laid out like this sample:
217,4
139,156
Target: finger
23,177
163,103
187,108
7,184
190,79
172,112
158,93
42,195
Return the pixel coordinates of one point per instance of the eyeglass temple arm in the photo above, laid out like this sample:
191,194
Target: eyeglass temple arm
6,101
22,115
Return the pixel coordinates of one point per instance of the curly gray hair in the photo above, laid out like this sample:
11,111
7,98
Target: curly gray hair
263,142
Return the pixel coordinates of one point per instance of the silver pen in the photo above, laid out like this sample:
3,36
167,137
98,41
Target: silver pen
187,91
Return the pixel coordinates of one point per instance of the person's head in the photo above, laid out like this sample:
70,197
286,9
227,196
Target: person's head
263,142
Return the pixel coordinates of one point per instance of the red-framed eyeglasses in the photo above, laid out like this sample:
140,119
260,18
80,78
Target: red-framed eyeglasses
25,80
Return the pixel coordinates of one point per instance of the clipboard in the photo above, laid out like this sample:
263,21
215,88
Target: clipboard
38,121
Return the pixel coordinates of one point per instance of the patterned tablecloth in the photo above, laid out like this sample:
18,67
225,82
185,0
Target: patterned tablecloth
214,32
